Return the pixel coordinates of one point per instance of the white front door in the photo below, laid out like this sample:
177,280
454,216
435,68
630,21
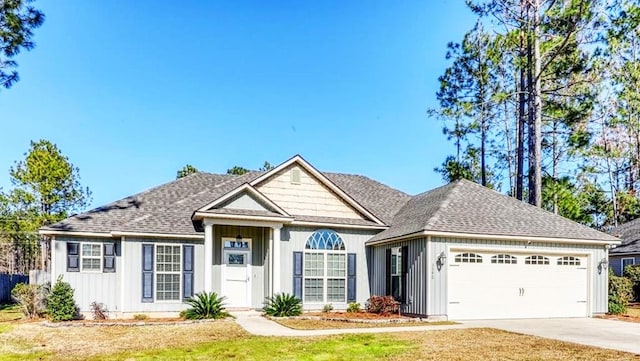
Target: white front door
501,284
236,273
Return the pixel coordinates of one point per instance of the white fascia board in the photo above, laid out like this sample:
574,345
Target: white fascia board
337,225
75,234
248,188
207,216
494,237
328,183
155,235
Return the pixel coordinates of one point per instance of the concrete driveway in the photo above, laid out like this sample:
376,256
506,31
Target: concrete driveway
615,335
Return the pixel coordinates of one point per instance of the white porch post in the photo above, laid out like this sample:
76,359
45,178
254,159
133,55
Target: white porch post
208,256
275,240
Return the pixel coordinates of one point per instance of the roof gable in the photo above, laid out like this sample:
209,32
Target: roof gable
244,197
302,190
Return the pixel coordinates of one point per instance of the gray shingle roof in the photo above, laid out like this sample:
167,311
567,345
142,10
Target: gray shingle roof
630,235
467,207
168,208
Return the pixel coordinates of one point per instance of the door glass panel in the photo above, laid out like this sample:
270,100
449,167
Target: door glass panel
235,259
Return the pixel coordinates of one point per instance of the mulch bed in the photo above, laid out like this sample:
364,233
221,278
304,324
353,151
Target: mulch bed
625,318
357,317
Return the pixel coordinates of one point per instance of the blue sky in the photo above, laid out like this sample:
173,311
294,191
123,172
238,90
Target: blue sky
131,91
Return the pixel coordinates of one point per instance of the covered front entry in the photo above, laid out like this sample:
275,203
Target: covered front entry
236,272
502,284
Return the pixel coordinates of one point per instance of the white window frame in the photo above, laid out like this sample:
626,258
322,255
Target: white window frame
83,257
622,266
325,277
156,273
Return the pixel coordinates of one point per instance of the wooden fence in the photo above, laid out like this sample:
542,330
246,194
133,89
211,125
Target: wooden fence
7,282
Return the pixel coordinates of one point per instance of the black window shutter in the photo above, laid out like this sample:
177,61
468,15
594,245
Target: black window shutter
109,256
403,275
187,271
351,277
73,255
147,273
297,274
388,290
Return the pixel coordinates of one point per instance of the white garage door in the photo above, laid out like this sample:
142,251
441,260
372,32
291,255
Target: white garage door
491,285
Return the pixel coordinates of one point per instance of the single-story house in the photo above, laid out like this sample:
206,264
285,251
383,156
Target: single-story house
460,251
628,253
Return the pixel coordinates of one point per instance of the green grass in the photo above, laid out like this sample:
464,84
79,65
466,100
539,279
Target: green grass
9,313
347,347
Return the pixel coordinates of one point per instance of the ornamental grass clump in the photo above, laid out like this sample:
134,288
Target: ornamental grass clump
205,305
283,305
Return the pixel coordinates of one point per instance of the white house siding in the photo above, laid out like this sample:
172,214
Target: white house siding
438,292
309,197
417,279
259,259
294,239
89,286
132,253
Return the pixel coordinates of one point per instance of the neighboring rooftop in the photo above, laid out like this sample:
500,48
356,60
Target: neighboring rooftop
629,233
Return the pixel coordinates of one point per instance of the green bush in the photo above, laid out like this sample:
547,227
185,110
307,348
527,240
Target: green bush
327,308
205,305
632,272
353,307
382,305
32,299
62,306
620,293
142,316
283,305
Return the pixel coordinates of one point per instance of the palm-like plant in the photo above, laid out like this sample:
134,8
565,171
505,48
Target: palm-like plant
283,305
205,305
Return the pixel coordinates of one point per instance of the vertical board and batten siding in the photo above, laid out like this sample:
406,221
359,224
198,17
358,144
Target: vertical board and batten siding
294,239
615,262
259,259
598,283
89,286
132,251
417,300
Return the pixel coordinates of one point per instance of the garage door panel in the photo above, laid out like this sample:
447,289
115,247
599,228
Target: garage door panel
500,290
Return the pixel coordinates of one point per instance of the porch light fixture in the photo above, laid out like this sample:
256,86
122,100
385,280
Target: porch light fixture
442,258
239,238
602,265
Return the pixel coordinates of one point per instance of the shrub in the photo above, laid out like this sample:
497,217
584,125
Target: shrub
353,307
140,316
382,305
327,308
61,306
620,293
205,305
99,311
632,272
283,305
32,299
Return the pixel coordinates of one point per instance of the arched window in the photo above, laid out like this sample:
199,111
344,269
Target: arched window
536,260
568,261
325,268
468,258
504,259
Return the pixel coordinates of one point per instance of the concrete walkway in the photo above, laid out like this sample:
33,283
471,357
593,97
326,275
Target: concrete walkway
254,323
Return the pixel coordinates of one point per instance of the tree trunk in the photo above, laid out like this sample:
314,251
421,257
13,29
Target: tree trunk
521,110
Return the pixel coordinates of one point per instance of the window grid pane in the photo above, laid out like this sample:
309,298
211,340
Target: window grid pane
313,289
168,267
568,261
336,290
504,259
314,265
536,260
336,265
168,287
91,264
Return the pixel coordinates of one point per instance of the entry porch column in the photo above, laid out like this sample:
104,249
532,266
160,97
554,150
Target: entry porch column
208,256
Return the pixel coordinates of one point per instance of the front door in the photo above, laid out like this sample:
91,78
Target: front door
236,272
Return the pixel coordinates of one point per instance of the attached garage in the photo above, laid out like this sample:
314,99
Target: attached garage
506,284
473,253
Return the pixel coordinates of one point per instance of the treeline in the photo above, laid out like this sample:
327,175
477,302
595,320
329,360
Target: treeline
542,101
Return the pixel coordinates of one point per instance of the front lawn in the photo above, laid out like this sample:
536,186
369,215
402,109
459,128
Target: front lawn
222,340
9,313
319,324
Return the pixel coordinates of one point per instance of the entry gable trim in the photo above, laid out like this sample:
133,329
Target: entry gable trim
249,189
297,159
